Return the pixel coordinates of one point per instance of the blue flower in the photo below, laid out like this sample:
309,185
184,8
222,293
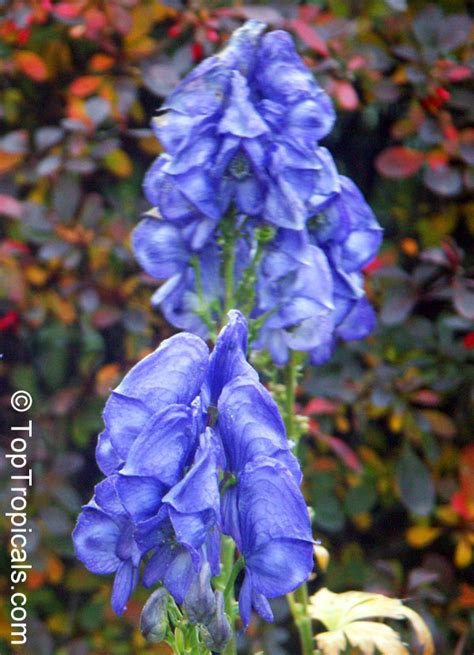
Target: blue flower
228,360
348,229
250,426
104,541
241,135
180,426
183,532
233,134
158,380
274,535
294,286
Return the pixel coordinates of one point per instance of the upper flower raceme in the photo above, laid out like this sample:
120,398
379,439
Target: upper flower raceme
243,127
180,421
241,134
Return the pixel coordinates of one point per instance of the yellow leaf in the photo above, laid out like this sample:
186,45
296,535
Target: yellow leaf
36,275
362,521
447,515
54,570
150,145
9,160
119,163
106,378
58,623
463,554
58,57
420,536
441,424
342,424
344,616
395,422
364,635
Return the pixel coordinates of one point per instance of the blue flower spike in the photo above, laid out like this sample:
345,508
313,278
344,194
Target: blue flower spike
241,136
180,423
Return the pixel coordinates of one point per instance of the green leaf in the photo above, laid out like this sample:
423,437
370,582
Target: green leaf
414,480
361,498
328,512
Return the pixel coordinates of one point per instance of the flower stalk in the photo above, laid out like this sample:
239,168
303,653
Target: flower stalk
297,600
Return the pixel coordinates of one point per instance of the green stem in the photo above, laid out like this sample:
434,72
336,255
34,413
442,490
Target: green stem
203,311
231,571
290,395
227,562
229,588
225,582
222,582
229,234
297,600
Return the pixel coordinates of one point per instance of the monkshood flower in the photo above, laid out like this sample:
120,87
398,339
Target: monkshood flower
241,135
104,541
243,128
166,252
312,278
194,447
273,533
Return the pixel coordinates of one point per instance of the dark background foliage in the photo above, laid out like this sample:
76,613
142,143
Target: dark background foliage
389,450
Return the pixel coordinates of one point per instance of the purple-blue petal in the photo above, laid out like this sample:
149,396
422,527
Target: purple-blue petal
173,373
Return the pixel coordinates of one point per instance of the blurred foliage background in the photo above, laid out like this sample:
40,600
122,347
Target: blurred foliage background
389,449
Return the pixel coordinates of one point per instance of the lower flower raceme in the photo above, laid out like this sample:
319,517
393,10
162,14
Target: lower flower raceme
193,448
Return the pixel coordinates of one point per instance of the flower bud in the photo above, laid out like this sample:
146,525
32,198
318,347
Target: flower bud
218,630
321,556
200,603
154,617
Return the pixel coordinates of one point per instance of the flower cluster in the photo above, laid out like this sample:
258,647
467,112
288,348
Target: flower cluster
242,160
194,447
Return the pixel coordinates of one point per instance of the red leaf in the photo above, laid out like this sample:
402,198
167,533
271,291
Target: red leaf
32,65
399,162
468,340
437,159
372,266
13,247
426,397
342,450
345,95
319,406
459,73
68,10
309,36
8,321
85,85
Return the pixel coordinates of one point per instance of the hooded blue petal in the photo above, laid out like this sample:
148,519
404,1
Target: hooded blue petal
173,373
107,458
163,448
228,360
160,248
250,425
275,532
95,538
124,418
